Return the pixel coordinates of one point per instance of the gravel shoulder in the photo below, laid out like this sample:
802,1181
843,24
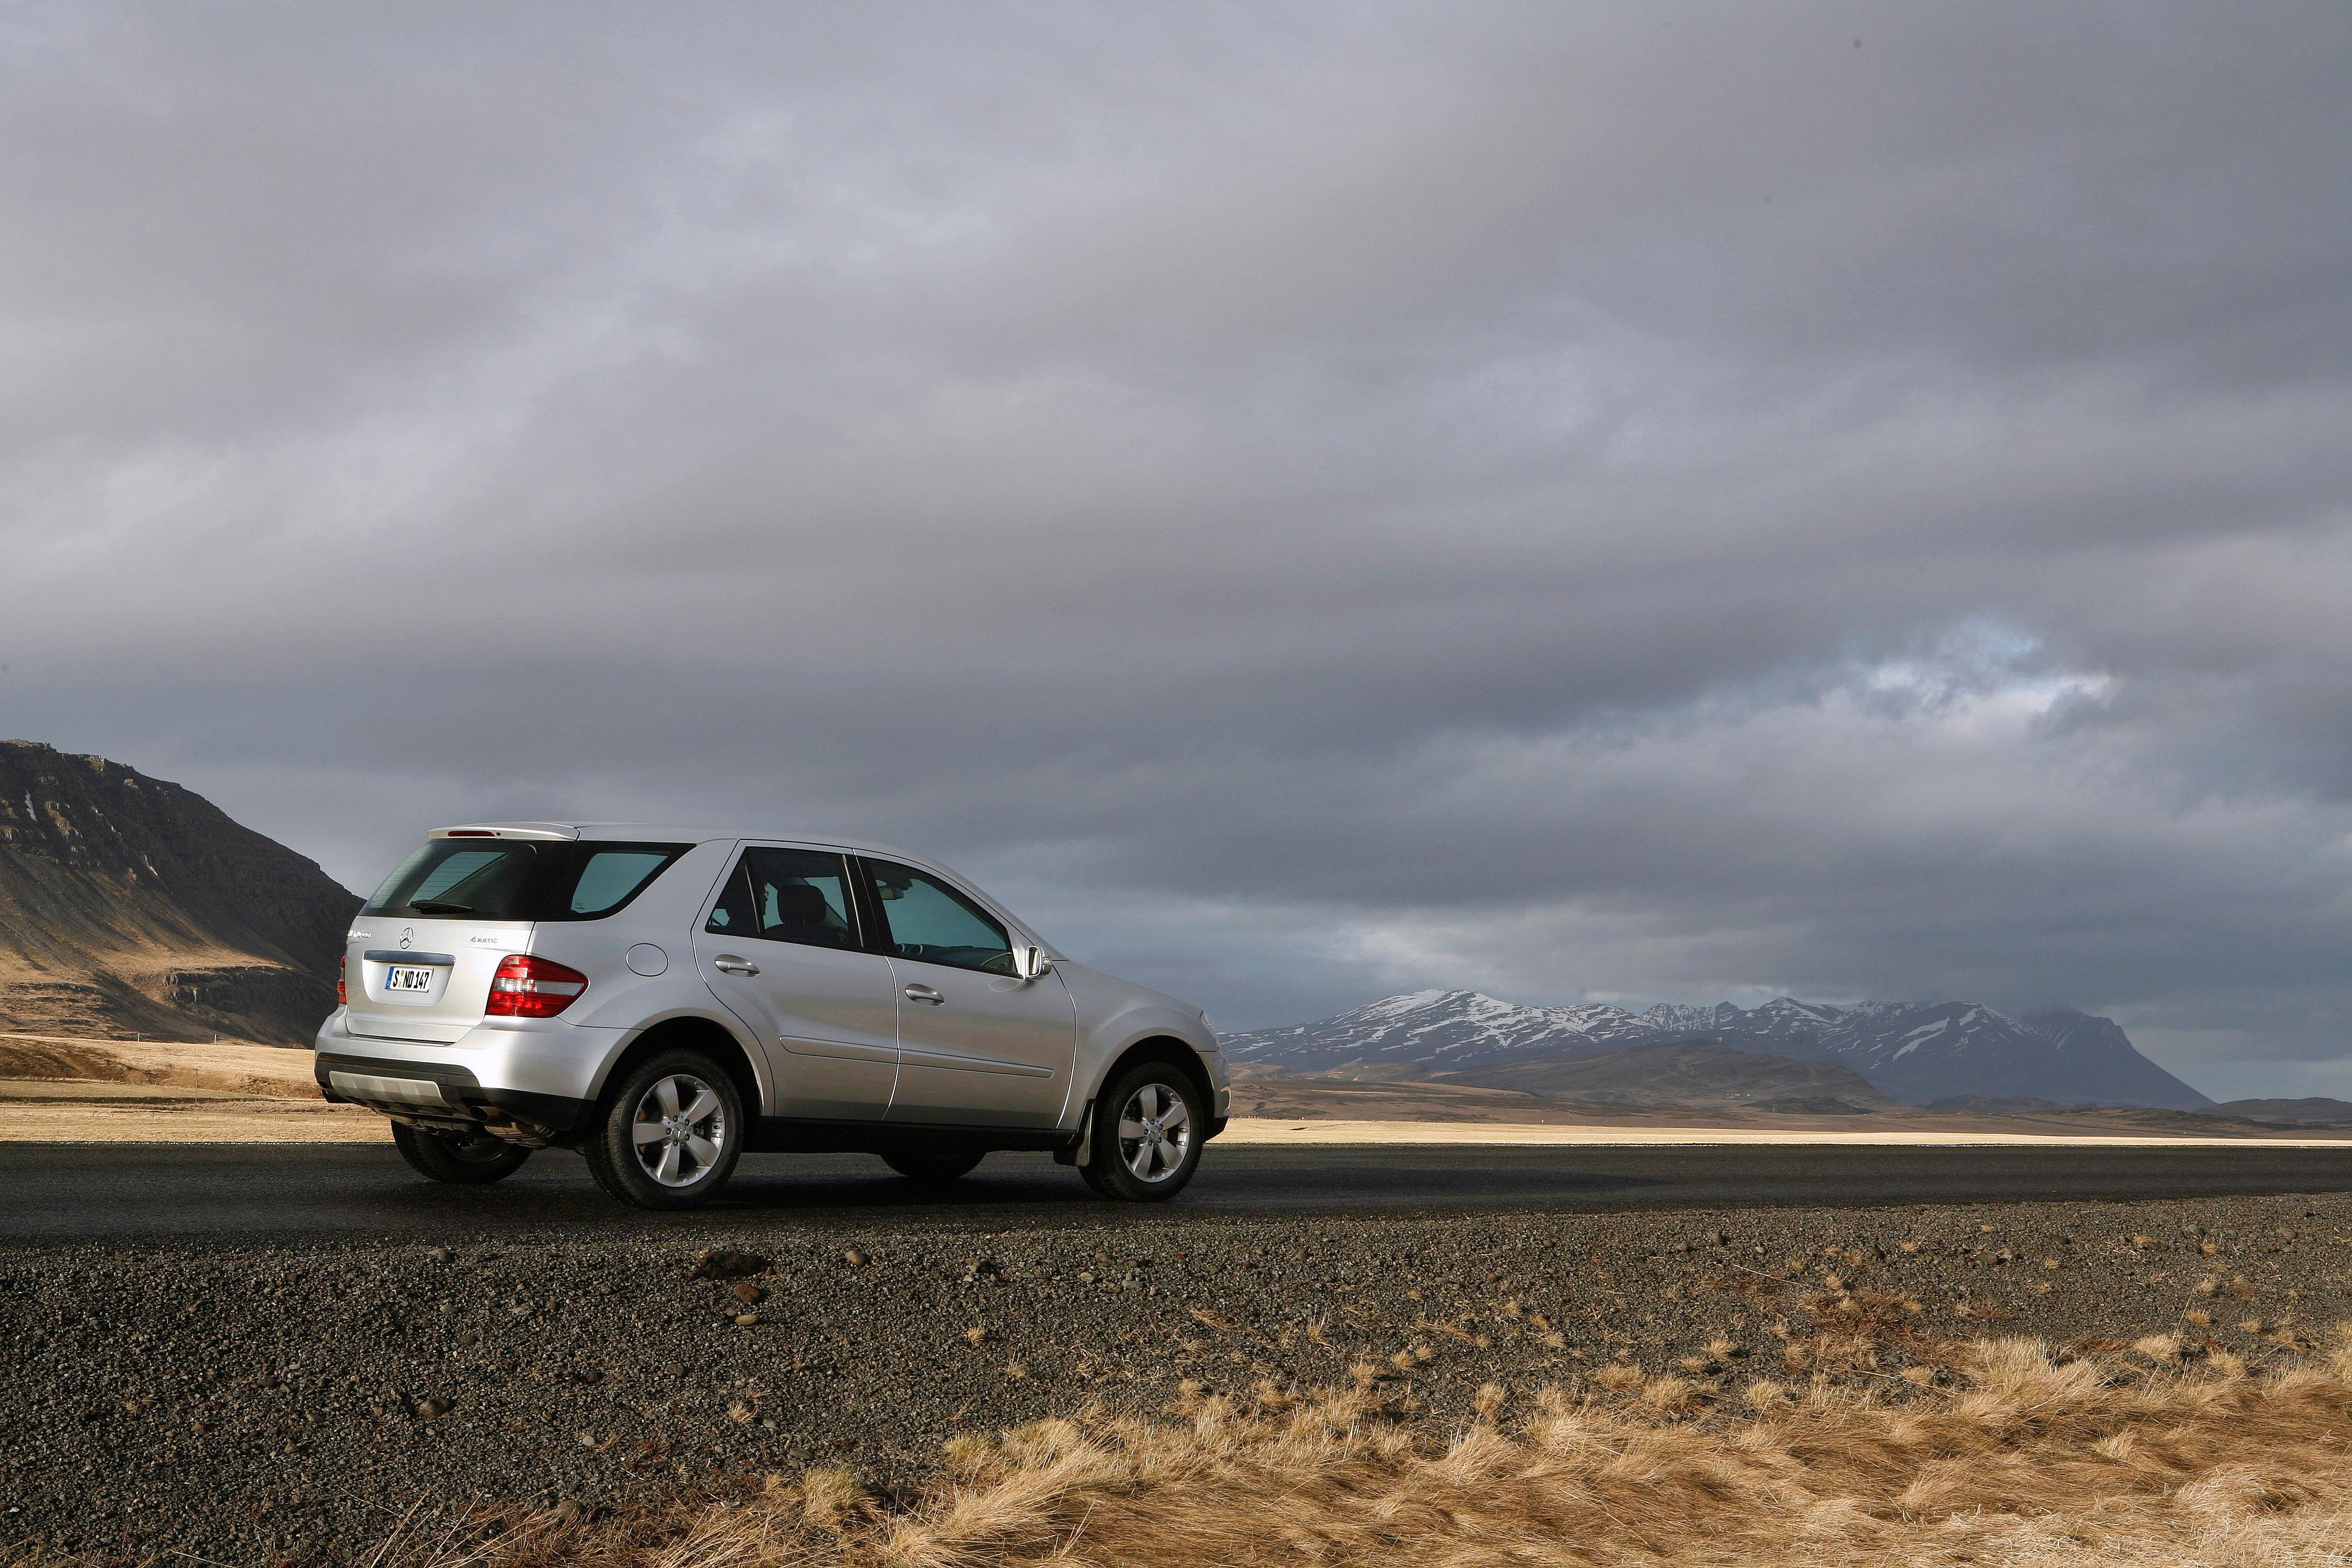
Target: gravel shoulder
255,1402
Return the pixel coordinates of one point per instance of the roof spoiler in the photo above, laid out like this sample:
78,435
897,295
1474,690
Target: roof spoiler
540,830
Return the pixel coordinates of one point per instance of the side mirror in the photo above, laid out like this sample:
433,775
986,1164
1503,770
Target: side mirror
1031,962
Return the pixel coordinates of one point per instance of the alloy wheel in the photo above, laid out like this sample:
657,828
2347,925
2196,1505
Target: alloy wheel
1155,1131
678,1130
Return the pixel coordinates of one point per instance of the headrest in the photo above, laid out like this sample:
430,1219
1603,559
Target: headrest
798,904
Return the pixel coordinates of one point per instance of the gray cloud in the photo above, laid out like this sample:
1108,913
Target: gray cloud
1666,504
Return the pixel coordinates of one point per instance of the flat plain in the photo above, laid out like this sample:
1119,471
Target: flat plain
237,1330
70,1090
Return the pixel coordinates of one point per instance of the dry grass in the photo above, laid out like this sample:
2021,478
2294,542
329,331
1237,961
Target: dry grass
233,1066
59,1091
2014,1457
90,1120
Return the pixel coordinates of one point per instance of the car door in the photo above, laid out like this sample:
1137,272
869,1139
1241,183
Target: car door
782,947
978,1047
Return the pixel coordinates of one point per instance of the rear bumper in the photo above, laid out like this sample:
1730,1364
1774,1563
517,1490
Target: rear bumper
490,1076
438,1092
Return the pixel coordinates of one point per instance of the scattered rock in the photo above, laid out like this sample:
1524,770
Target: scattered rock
438,1255
726,1263
745,1319
345,1326
747,1292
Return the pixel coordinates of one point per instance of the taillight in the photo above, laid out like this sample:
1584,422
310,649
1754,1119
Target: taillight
528,987
343,980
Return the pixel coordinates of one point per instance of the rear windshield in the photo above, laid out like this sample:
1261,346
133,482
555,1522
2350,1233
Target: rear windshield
511,880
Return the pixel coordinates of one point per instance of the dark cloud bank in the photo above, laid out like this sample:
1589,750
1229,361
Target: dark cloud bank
1627,503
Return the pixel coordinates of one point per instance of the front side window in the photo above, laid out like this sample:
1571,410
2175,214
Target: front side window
788,895
932,923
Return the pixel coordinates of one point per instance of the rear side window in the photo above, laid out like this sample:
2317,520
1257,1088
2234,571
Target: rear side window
788,895
611,877
505,879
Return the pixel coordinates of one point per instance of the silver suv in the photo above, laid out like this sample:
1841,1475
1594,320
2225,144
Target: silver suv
663,998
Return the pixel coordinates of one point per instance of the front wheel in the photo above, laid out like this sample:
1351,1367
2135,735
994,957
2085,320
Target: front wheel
932,1165
671,1132
1147,1137
465,1159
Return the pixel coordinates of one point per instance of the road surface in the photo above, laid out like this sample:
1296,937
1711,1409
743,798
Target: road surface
66,1191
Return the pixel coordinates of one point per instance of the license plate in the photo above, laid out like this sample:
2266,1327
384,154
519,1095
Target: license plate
408,980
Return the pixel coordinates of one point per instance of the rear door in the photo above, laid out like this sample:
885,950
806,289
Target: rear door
781,946
978,1047
423,952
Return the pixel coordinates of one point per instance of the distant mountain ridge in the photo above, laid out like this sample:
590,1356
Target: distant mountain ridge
2314,1110
130,905
1914,1051
1686,1070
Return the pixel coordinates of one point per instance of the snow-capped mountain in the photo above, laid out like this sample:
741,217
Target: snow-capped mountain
1915,1051
1442,1031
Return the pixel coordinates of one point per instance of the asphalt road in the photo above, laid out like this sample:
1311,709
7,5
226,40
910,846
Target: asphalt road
71,1192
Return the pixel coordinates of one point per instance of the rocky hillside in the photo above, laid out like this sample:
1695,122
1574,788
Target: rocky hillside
1916,1052
129,905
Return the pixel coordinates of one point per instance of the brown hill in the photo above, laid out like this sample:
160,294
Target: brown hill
1688,1072
2314,1111
129,905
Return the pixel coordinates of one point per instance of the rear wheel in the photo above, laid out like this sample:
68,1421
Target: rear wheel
671,1134
465,1159
936,1166
1147,1129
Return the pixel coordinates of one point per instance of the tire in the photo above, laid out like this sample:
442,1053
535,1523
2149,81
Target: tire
693,1114
460,1160
938,1166
1150,1125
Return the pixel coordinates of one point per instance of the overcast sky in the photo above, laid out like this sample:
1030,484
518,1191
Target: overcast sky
1604,502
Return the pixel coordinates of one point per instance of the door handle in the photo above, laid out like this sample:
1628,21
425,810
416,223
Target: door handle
727,964
924,993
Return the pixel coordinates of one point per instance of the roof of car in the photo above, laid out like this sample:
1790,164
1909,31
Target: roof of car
660,832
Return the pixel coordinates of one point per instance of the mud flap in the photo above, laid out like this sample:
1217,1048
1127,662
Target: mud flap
1080,1152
